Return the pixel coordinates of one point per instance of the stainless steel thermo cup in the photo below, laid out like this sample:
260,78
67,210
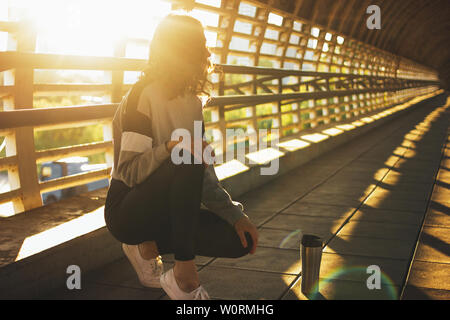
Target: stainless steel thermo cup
311,255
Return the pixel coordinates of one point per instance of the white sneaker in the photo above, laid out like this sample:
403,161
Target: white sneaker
170,286
148,271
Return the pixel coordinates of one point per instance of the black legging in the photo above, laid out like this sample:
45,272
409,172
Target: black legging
166,208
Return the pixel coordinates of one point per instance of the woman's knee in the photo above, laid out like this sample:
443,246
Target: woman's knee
124,236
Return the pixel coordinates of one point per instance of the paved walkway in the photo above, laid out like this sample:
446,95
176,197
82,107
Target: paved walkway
367,200
430,270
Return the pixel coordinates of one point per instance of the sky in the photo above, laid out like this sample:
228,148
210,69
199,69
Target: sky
91,27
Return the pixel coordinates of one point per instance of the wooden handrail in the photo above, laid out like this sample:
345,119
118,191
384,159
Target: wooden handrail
49,116
10,195
83,87
279,72
79,150
14,59
74,180
245,100
9,26
8,163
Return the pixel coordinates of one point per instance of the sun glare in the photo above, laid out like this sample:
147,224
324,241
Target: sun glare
95,27
86,27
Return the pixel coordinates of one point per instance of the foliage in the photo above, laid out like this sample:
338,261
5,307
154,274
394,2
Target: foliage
48,139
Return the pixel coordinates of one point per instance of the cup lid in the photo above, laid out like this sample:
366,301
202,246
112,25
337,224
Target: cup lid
309,240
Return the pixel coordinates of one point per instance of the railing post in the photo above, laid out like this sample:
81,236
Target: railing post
108,136
226,24
116,96
279,115
254,117
117,75
22,143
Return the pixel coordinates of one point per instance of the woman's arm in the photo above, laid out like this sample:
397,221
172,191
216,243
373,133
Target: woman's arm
134,167
217,199
137,155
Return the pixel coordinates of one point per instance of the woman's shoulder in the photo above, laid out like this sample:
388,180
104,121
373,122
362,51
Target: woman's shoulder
192,102
193,98
153,95
155,91
150,90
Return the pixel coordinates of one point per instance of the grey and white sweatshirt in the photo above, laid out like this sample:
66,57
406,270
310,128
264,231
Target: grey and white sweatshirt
143,123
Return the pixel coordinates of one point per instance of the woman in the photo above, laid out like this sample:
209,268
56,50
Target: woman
154,205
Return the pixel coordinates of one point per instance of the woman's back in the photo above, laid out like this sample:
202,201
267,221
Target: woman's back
146,119
166,115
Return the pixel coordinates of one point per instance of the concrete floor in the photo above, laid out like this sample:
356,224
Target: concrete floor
367,200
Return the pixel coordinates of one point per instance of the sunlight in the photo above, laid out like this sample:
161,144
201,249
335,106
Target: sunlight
294,144
229,169
418,132
346,127
83,27
315,137
62,233
379,174
358,123
6,209
207,18
376,116
333,131
401,152
386,113
367,120
264,156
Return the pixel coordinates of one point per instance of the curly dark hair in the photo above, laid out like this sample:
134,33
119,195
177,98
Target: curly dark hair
178,57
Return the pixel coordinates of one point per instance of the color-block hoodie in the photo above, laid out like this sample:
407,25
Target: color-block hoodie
143,123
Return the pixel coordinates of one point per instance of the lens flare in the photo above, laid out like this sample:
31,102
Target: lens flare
336,274
289,237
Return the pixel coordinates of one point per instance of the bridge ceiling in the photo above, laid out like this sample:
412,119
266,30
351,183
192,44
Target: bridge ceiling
415,29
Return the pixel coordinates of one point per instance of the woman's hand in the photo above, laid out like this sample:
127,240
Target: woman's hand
172,143
244,225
